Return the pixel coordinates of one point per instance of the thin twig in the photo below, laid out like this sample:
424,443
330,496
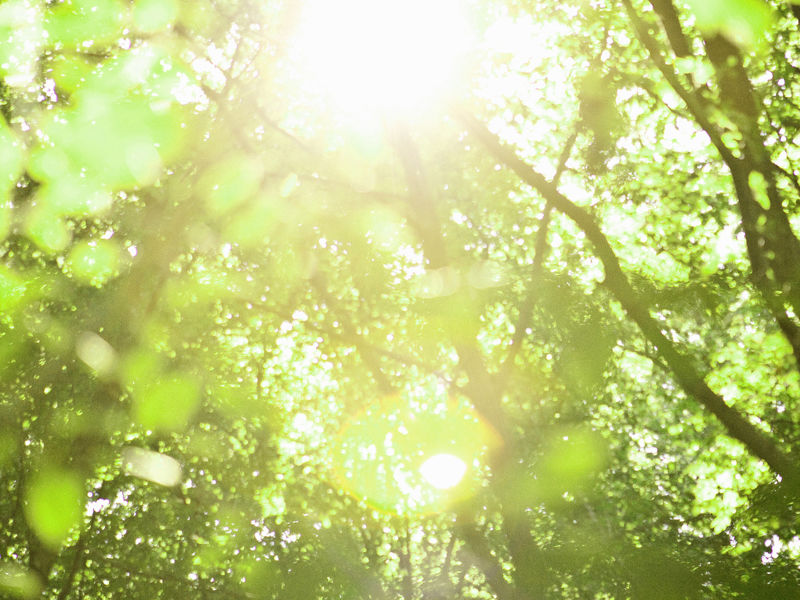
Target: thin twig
539,255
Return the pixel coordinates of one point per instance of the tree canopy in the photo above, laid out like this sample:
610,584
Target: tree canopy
399,300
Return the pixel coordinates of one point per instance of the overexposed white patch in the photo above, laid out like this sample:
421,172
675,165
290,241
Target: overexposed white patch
443,471
382,54
152,466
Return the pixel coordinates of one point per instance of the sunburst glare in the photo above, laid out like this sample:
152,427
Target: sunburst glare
443,471
382,55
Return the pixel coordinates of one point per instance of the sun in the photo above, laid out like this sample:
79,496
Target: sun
382,55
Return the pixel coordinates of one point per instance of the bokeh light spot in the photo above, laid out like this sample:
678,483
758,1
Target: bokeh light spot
443,471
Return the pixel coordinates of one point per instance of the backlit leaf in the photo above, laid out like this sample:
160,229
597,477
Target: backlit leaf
743,21
21,39
94,262
54,504
75,21
167,404
11,158
154,15
47,230
230,182
18,582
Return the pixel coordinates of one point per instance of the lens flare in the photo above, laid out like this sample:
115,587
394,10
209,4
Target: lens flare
394,457
443,471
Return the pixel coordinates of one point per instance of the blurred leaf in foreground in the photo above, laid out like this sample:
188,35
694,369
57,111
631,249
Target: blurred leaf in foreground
54,504
18,582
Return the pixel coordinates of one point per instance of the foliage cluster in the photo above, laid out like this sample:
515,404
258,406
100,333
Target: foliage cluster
234,326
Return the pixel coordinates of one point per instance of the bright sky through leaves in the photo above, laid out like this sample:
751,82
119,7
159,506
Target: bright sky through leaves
399,299
443,471
382,55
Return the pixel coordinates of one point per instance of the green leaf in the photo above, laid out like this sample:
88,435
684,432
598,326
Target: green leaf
122,125
18,582
572,459
54,503
21,40
251,224
168,404
72,196
94,262
12,158
6,218
140,368
47,230
13,289
70,71
48,162
758,185
230,182
114,142
743,21
151,16
76,22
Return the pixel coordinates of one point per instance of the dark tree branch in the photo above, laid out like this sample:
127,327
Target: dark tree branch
697,105
773,248
405,561
423,211
735,87
483,558
77,558
530,564
774,253
672,27
539,255
448,557
482,388
692,382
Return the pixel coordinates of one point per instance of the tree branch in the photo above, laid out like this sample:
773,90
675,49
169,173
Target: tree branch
406,568
77,558
489,565
424,215
696,104
539,255
684,372
773,249
672,27
482,388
